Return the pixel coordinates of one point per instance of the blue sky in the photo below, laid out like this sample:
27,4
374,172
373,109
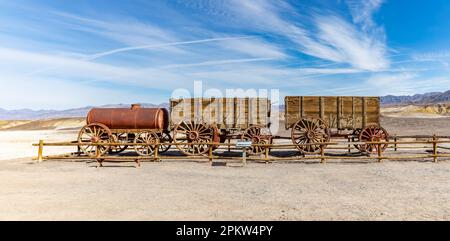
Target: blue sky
63,54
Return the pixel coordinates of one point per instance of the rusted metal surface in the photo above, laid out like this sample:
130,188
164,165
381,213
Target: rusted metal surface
225,113
338,112
130,118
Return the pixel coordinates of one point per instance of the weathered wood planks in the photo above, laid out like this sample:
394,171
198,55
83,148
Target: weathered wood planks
339,112
226,113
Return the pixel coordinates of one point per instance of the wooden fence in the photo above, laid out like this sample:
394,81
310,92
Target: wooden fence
432,143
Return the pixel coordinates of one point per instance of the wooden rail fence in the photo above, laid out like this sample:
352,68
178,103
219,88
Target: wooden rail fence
434,142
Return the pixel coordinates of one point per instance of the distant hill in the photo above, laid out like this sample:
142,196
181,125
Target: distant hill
73,123
27,114
388,100
418,99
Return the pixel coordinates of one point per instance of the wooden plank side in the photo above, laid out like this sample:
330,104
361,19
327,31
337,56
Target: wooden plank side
357,101
373,110
311,107
330,105
226,113
292,110
347,117
340,112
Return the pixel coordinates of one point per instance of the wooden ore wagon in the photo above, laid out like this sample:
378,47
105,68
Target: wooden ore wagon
203,120
315,119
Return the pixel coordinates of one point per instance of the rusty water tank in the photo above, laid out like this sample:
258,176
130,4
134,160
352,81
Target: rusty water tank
130,118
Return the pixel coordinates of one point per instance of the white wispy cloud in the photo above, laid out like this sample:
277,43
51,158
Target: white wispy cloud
224,43
216,63
154,46
362,12
350,45
254,47
328,37
382,80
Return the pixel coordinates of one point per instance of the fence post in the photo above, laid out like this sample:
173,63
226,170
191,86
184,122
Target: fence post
435,148
40,149
210,154
138,162
322,152
155,154
380,159
244,156
349,150
267,153
395,142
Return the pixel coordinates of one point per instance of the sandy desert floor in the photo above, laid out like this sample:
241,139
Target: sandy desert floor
198,191
16,144
56,190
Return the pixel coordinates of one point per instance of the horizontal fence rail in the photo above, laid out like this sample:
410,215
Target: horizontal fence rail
433,143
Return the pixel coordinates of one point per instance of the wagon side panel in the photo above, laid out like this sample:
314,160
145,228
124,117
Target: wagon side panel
226,113
252,112
330,115
372,110
358,118
292,110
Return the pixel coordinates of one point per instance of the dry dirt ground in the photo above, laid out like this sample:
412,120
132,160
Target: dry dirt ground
198,191
400,190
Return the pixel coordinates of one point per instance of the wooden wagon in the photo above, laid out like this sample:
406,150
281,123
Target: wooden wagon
202,120
315,119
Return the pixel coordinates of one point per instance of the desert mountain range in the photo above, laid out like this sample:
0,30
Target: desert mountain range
418,99
439,99
28,114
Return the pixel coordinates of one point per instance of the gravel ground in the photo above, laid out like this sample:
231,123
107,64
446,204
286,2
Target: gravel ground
197,191
57,190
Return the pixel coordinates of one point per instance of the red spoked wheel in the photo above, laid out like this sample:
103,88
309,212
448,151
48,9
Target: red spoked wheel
310,131
373,133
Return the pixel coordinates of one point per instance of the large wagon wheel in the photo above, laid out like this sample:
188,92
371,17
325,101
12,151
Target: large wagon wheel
94,133
310,131
190,132
165,140
253,134
119,138
145,143
373,133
